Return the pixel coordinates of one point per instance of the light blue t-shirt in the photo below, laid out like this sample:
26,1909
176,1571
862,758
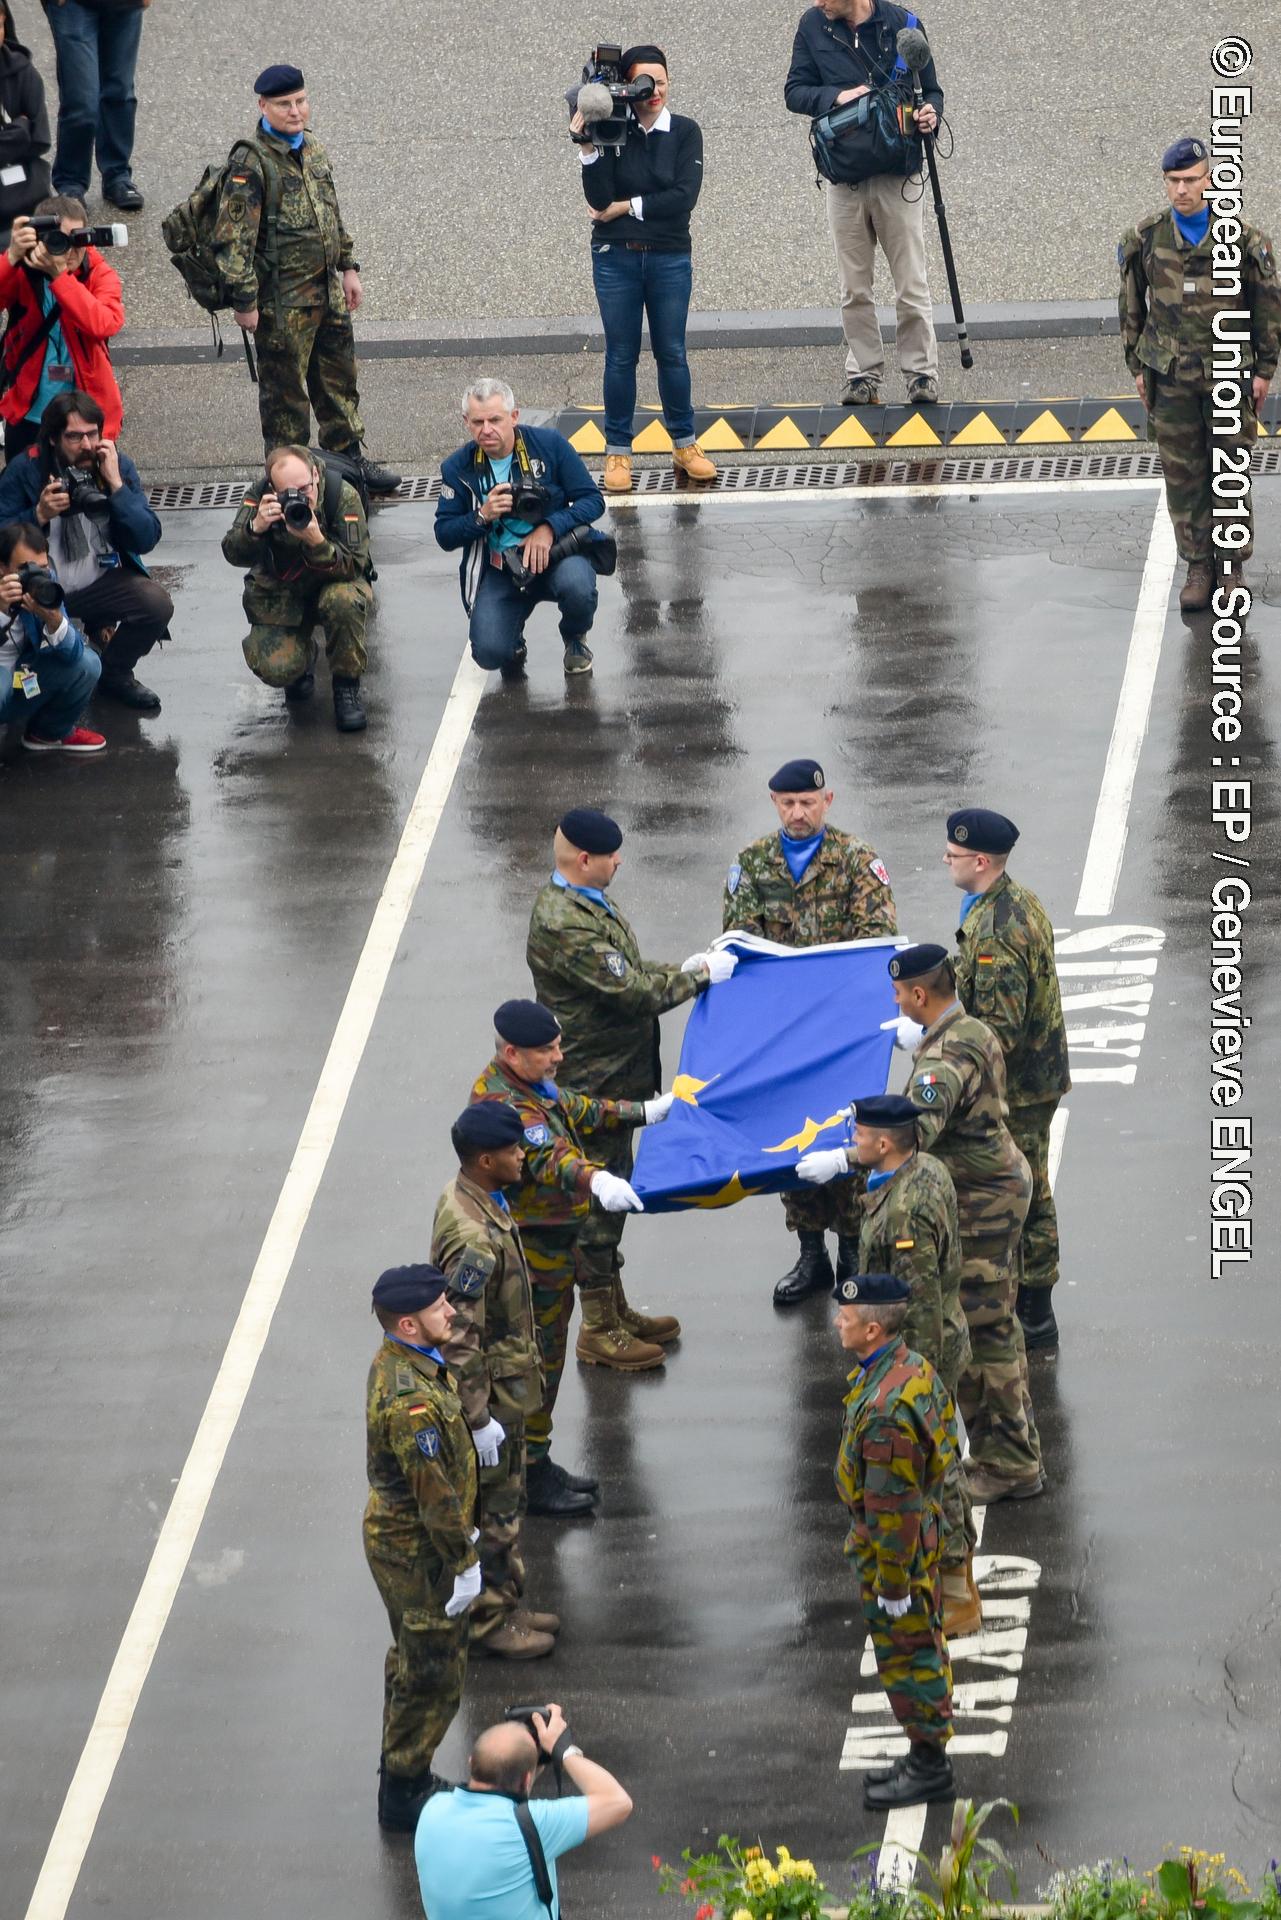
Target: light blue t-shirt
506,532
472,1861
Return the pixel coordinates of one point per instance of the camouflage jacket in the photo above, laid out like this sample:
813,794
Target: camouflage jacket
587,968
421,1461
910,1228
276,560
1167,301
312,246
958,1085
1006,977
844,893
555,1187
896,1447
492,1347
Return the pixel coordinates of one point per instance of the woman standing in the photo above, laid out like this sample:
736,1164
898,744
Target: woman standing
24,128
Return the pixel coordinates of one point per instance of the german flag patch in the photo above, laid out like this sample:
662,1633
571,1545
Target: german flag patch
900,1246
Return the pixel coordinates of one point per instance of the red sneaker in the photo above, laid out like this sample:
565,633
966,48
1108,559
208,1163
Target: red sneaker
79,740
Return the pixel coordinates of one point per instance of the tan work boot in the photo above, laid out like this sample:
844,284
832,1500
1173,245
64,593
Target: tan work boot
658,1328
985,1488
962,1607
1194,594
536,1622
513,1641
618,473
603,1341
693,462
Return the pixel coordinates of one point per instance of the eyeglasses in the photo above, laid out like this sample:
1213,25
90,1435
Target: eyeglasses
90,433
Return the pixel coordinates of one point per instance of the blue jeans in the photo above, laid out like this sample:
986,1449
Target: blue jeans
500,609
656,285
97,54
65,688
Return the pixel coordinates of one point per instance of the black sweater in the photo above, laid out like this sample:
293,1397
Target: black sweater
24,133
829,55
666,170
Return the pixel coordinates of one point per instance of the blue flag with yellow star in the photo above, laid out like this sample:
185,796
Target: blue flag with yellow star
769,1061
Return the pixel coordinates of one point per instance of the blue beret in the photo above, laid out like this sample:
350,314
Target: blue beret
798,776
886,1110
1182,154
276,80
591,832
526,1024
915,961
979,830
409,1289
486,1125
872,1290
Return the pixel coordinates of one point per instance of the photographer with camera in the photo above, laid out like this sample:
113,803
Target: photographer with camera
519,502
487,1847
47,673
88,496
845,53
63,303
642,173
302,534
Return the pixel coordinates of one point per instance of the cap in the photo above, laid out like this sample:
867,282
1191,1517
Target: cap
1187,152
643,56
591,832
912,962
885,1110
872,1290
524,1023
979,830
409,1289
798,776
276,80
486,1125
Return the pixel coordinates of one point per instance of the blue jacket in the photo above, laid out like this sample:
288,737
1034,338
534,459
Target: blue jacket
829,55
31,649
574,496
132,527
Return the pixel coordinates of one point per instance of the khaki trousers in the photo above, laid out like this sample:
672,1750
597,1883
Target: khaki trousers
860,217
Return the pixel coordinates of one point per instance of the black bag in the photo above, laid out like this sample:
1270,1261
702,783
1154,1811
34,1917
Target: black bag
346,466
600,549
869,135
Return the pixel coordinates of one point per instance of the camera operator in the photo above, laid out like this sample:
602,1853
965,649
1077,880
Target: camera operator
305,540
47,673
641,196
88,495
62,310
473,1850
844,50
506,498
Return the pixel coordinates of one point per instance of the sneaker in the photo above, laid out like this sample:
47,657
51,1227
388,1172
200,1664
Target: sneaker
618,473
578,657
861,392
922,390
693,463
79,740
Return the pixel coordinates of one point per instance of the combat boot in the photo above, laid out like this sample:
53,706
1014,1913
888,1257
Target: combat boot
1194,594
515,1640
301,689
846,1258
1035,1308
659,1329
548,1494
537,1622
925,1775
603,1341
576,1482
402,1797
812,1272
349,715
986,1488
962,1607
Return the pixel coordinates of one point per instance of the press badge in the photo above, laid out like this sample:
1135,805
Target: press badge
27,680
12,176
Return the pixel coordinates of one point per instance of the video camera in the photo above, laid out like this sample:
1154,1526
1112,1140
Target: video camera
56,242
606,99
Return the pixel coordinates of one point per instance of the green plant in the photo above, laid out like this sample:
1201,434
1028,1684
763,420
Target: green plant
1193,1886
962,1882
743,1883
1106,1891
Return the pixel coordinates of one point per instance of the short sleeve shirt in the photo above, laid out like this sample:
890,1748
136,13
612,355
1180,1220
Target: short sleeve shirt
472,1860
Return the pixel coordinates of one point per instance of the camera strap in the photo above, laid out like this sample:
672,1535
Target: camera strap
520,454
533,1843
47,324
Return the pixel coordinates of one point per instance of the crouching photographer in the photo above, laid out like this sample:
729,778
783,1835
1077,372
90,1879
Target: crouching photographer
487,1847
47,673
89,498
519,502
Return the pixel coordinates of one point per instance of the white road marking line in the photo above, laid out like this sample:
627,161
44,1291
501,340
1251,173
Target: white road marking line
896,490
1102,870
102,1749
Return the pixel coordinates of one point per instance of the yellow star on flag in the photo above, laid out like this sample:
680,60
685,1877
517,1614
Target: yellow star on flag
808,1134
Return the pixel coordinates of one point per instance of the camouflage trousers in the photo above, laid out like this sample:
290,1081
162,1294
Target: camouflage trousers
959,1536
833,1208
1031,1129
993,1392
552,1256
281,644
600,1260
306,360
1180,420
499,1511
911,1653
426,1663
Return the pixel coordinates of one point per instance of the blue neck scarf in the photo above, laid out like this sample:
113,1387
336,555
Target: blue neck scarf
499,1199
1193,226
293,140
967,901
589,893
875,1180
430,1352
547,1088
799,853
872,1358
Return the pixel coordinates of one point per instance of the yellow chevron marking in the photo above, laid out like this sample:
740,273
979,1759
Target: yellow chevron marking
1110,426
1045,427
720,437
916,432
652,439
588,439
785,434
981,431
850,433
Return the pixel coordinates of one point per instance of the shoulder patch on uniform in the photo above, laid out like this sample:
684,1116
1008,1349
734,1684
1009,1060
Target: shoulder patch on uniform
537,1136
470,1275
987,960
428,1442
926,1089
733,877
880,869
901,1245
615,964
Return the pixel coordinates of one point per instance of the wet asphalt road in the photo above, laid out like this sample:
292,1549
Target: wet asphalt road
181,922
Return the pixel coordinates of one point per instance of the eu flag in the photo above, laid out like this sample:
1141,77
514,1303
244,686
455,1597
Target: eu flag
768,1061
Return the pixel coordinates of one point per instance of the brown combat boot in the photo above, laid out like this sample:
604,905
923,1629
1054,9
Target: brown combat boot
660,1329
962,1607
603,1341
536,1622
985,1487
1194,594
513,1641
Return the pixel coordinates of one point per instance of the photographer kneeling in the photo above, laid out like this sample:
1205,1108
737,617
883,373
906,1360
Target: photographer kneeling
485,1847
518,501
46,671
88,497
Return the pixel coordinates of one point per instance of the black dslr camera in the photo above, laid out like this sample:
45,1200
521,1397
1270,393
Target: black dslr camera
40,585
84,494
296,508
605,99
529,501
56,242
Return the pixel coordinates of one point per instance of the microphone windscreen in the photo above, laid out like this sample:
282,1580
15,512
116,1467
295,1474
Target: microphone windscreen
913,48
595,101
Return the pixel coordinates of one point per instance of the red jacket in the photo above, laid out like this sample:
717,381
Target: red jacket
92,311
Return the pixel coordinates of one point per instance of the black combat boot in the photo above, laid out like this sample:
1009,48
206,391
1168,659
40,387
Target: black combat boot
1035,1308
402,1797
811,1274
377,477
846,1258
548,1494
349,715
301,689
576,1482
925,1775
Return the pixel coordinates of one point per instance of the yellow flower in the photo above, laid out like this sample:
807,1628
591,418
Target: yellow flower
752,1853
741,1913
783,1854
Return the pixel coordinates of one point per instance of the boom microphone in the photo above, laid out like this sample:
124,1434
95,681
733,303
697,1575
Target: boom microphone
595,101
913,48
914,52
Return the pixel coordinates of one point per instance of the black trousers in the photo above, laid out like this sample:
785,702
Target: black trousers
139,609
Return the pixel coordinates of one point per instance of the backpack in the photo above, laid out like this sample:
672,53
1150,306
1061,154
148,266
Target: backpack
336,468
188,232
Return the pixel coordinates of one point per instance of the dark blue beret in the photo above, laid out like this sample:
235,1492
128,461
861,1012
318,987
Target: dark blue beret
872,1290
409,1289
526,1024
1184,153
276,80
885,1110
591,832
979,830
646,56
915,961
486,1125
798,776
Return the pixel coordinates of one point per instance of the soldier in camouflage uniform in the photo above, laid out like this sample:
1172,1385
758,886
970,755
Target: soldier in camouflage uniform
492,1349
1006,977
809,885
587,967
554,1197
896,1448
958,1087
289,261
419,1533
1168,307
320,574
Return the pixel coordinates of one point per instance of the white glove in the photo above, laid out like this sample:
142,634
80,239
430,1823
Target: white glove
829,1163
487,1440
907,1033
615,1195
466,1589
720,965
895,1608
658,1108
